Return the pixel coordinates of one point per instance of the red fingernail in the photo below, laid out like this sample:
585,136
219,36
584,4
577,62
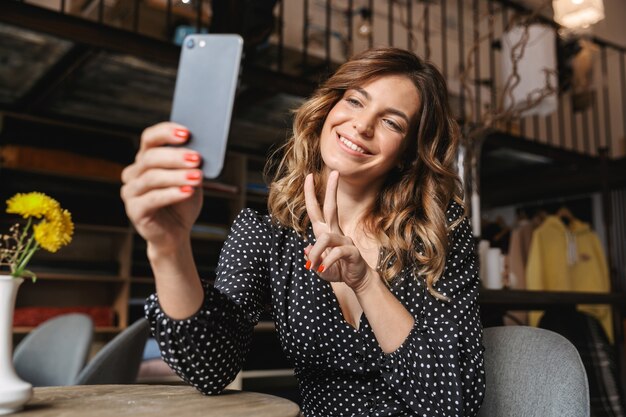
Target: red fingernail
194,158
181,134
186,189
307,266
320,269
193,175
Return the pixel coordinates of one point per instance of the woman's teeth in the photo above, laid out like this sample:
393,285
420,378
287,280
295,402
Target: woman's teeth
351,145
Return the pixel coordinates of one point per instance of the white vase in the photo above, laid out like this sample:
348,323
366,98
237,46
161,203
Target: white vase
14,392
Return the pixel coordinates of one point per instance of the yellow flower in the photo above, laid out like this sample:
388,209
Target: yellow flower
32,204
55,231
66,227
48,236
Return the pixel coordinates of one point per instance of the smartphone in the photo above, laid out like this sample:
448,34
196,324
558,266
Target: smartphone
206,83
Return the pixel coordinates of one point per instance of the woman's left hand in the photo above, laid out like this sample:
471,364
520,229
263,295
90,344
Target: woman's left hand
334,256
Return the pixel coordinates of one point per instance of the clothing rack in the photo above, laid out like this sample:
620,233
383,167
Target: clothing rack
500,301
581,207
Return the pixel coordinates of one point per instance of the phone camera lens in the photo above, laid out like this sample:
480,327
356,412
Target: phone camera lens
190,43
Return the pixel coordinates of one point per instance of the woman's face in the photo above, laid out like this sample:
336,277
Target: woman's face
365,133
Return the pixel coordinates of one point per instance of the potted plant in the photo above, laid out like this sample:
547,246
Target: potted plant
47,226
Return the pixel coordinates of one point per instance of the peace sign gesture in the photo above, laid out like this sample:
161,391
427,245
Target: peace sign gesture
334,256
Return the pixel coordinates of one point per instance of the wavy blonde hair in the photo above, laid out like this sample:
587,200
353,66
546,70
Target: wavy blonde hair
409,216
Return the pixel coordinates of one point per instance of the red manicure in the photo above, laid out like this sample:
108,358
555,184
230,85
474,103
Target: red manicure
193,175
186,189
320,269
194,158
181,134
307,266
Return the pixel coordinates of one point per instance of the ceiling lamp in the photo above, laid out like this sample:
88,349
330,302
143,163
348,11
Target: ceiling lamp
577,14
365,28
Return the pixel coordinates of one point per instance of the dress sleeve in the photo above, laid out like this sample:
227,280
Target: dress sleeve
207,350
438,370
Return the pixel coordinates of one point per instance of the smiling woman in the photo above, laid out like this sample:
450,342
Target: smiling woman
366,258
365,133
416,185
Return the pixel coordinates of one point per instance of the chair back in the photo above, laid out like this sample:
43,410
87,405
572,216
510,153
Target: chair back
55,351
533,372
118,361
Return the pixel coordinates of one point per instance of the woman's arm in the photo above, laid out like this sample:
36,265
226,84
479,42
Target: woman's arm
177,281
208,346
389,319
440,364
162,198
434,361
203,332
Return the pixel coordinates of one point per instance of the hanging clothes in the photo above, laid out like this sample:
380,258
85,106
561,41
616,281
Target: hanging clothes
519,249
569,258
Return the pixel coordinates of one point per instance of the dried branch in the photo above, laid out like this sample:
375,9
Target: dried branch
463,75
419,26
500,112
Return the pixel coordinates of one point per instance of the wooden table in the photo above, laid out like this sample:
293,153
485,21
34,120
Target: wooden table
152,401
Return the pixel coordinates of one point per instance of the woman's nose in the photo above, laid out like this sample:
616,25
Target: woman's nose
363,127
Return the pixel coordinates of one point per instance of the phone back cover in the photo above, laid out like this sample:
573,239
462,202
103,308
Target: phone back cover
204,95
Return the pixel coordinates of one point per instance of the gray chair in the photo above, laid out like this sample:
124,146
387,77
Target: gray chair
118,361
55,351
533,372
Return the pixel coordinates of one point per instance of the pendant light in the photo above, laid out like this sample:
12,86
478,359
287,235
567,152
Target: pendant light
577,14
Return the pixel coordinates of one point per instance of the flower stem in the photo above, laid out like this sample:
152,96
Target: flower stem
28,253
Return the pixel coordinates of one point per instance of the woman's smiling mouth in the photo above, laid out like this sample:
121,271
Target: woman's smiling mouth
351,145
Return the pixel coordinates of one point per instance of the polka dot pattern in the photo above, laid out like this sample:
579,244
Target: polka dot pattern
437,371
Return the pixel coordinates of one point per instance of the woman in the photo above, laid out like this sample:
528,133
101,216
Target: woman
366,258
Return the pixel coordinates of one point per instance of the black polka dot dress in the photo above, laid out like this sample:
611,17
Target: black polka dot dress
437,371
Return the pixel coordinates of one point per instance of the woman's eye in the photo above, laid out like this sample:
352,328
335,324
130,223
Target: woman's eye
395,126
353,101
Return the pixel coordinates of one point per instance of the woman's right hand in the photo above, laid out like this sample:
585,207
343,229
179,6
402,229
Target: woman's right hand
162,189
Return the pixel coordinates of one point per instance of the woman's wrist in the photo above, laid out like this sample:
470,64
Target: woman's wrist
368,283
391,322
172,264
158,251
176,278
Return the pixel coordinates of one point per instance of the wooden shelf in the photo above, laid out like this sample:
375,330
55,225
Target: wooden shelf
111,330
66,176
103,228
79,227
256,198
220,194
142,280
210,232
529,300
58,276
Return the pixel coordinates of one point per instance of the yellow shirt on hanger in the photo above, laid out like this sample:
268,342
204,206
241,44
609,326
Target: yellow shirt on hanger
570,258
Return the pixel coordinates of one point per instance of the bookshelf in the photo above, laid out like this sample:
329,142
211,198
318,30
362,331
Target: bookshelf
105,268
